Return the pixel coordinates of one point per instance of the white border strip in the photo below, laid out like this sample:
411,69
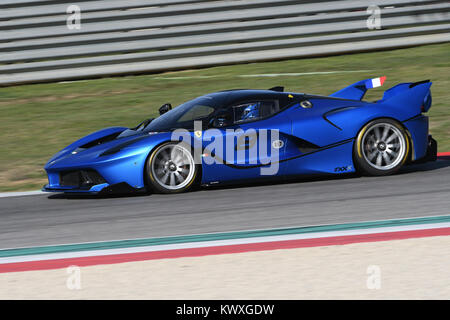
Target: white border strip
296,74
289,74
204,244
21,194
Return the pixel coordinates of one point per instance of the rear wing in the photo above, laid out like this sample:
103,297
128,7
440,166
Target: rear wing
357,90
415,95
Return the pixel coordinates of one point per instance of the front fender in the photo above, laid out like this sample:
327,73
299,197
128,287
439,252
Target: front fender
86,139
96,135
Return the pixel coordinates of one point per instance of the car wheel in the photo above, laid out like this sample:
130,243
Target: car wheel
381,148
171,168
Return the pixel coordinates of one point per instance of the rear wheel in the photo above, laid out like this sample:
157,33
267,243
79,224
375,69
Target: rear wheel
171,168
381,148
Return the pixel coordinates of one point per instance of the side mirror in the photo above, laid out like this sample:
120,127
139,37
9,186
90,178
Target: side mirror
165,108
222,119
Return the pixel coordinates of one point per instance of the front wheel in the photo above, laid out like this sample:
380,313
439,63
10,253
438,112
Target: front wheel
171,168
381,147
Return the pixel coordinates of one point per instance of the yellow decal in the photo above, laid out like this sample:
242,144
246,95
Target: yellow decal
290,96
198,133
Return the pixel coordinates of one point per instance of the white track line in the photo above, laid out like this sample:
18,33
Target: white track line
296,74
21,194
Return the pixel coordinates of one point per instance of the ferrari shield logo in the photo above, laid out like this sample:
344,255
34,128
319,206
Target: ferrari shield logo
198,133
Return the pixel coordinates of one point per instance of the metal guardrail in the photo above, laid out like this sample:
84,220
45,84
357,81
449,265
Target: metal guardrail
136,36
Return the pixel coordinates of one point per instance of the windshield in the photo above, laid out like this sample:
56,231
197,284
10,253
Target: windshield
184,115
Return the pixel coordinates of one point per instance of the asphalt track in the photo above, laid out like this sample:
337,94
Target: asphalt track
419,190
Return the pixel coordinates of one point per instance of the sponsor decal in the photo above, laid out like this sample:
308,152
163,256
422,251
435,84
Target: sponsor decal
343,169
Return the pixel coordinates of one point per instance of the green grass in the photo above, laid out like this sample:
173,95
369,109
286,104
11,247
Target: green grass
38,120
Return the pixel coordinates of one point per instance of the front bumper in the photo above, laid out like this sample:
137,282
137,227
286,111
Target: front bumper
104,188
74,174
74,189
87,181
78,181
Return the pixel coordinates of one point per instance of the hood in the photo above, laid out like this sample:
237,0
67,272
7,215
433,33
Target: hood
101,146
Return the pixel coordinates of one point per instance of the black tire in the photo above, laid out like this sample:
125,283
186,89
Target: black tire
381,148
166,175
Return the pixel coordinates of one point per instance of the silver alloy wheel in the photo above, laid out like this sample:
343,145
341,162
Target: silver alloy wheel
173,166
383,146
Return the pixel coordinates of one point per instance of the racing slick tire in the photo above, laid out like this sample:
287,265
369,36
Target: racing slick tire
171,168
381,148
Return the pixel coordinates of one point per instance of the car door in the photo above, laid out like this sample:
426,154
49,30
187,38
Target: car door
317,144
251,146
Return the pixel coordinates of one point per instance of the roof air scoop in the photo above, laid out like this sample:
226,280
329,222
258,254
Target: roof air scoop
277,89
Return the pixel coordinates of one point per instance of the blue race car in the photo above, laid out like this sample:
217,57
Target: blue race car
237,135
